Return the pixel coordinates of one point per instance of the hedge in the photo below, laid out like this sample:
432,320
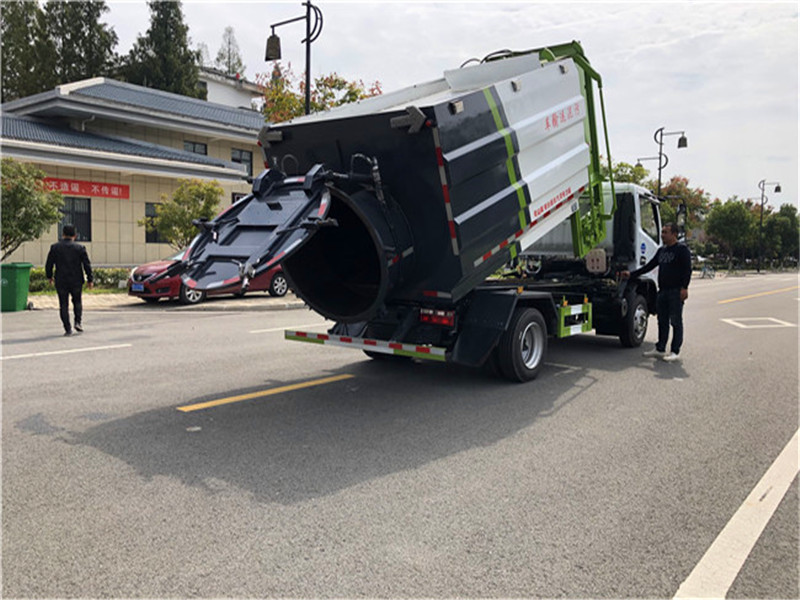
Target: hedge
104,278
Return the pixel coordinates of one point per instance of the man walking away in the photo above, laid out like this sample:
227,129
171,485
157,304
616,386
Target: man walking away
70,261
674,262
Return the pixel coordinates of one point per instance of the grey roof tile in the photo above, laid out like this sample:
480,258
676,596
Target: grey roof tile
33,130
157,100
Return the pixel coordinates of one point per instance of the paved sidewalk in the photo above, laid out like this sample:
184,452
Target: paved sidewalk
255,301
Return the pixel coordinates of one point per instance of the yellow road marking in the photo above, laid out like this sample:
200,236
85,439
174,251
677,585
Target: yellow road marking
263,393
794,287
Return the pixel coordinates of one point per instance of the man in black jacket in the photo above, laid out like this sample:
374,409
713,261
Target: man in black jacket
71,261
674,262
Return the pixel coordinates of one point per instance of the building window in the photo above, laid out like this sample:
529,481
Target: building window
151,237
195,147
236,196
78,212
243,157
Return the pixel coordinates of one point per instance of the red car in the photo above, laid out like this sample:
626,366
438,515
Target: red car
273,281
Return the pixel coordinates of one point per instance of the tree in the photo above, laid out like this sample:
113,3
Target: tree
782,233
228,58
284,95
676,192
24,48
730,224
29,209
194,199
84,47
624,172
161,58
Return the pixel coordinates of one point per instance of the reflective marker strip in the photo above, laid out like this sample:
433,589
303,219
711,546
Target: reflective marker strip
412,350
505,243
445,190
434,294
284,253
405,254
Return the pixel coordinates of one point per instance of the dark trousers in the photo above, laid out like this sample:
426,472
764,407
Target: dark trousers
669,308
64,294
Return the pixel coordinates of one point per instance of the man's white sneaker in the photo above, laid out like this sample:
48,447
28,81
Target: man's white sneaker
653,353
671,357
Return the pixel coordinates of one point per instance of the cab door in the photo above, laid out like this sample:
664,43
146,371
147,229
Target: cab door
648,226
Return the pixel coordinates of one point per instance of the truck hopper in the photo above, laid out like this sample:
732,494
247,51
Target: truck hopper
413,196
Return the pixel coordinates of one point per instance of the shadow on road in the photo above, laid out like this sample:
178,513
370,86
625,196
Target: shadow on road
392,416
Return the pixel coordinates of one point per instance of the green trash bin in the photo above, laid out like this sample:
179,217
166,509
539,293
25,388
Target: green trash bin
16,278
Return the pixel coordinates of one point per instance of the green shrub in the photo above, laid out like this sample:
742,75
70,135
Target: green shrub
38,280
104,278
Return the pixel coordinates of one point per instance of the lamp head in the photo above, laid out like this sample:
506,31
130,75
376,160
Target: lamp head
682,141
778,189
273,48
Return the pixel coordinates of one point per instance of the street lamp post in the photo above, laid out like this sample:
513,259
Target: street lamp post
659,139
762,185
312,33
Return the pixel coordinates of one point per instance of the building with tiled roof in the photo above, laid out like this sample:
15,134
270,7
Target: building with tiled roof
114,149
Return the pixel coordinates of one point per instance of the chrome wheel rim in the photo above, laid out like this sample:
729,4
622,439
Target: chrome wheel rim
279,285
532,345
640,321
193,296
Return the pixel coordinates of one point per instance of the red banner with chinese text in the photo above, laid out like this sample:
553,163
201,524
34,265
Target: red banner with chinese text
88,188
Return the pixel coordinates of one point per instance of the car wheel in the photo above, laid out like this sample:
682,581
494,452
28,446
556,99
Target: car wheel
633,328
523,346
190,296
278,286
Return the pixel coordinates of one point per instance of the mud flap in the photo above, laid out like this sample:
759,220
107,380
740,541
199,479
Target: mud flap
485,321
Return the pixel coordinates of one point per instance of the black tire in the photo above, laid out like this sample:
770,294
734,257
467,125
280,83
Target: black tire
190,296
523,346
633,327
278,286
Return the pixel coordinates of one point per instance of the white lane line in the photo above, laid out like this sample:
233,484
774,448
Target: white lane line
317,324
73,351
716,571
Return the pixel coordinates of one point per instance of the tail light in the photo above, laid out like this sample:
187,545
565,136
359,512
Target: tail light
437,317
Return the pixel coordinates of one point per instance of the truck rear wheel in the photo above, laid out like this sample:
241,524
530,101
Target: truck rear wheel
634,324
523,346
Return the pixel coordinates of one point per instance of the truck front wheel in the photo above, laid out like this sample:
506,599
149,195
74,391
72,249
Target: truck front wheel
523,346
634,324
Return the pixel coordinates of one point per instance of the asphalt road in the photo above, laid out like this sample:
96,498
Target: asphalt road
610,476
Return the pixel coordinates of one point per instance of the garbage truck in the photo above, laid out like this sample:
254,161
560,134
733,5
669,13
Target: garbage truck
465,219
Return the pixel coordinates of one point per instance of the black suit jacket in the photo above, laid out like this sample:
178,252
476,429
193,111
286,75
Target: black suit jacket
70,260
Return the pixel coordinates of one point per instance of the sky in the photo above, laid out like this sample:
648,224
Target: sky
725,73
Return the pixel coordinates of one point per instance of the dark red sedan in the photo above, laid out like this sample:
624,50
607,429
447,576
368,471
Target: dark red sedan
272,281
